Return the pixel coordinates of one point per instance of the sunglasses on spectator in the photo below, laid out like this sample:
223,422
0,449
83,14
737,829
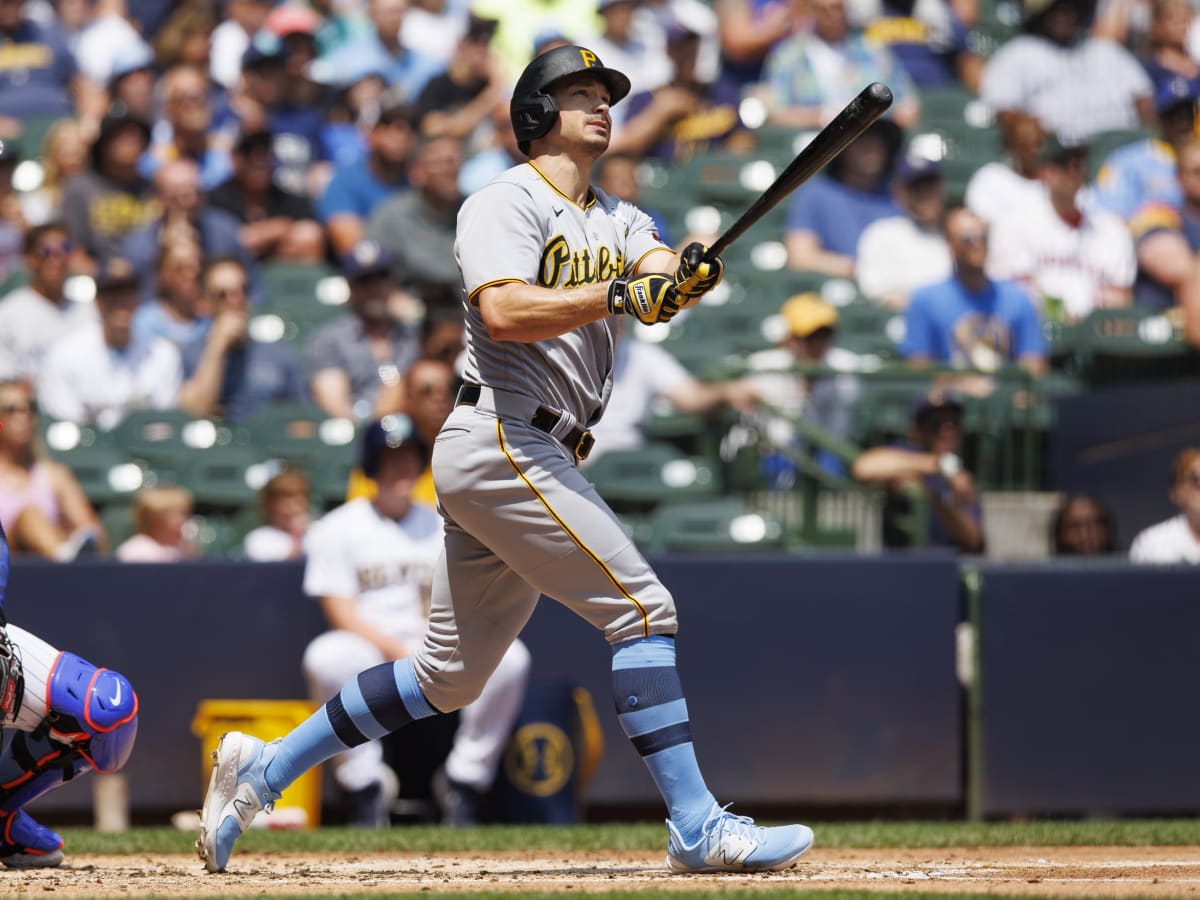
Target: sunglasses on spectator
12,409
972,237
224,293
64,248
430,388
1193,479
189,97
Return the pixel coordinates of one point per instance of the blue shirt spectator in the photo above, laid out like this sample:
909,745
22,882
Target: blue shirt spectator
811,208
36,69
969,320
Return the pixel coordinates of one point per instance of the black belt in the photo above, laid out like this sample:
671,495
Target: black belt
578,440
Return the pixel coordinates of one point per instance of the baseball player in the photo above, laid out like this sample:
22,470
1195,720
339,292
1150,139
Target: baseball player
548,264
371,563
60,716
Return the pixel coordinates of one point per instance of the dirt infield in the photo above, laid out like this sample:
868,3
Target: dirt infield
1041,871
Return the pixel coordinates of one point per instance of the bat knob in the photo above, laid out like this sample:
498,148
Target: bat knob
879,95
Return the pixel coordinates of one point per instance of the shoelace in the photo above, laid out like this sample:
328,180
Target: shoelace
732,823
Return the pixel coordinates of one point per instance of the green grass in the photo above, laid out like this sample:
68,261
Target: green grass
1150,832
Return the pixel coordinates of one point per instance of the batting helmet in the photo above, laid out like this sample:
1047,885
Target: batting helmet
389,433
533,111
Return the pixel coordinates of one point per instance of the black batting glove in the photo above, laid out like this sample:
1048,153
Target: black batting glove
648,298
696,276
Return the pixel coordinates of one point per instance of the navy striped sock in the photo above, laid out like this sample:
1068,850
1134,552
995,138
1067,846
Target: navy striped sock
374,703
653,713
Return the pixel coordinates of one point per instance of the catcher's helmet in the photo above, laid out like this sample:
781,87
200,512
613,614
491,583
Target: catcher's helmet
389,433
533,111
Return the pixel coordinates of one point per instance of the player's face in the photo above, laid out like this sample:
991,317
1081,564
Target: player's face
583,114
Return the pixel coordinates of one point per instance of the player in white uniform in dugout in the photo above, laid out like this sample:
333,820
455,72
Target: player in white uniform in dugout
547,263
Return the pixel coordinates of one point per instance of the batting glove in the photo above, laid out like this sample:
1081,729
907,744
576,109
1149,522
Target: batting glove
649,298
696,276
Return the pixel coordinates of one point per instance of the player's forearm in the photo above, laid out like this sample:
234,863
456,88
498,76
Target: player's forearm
525,313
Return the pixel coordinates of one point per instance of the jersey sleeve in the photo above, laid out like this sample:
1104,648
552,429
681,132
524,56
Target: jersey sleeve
499,238
327,570
644,239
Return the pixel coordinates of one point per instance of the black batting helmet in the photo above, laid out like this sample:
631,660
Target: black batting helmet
389,433
533,111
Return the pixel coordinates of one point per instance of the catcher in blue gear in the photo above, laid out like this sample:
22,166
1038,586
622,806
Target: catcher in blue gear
60,716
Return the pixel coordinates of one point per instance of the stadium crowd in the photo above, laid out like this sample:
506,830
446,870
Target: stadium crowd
163,161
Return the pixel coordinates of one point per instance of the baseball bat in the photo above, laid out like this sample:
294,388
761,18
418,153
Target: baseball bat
831,140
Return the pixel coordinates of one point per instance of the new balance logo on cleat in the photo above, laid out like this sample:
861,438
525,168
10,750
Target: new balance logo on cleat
730,852
730,843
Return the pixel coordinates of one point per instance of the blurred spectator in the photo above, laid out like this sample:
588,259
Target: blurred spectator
228,373
501,154
1074,84
900,254
640,52
357,189
415,227
525,27
748,30
460,101
616,175
177,312
969,320
96,373
827,216
1071,258
230,39
187,131
285,503
131,83
1082,526
682,117
42,507
443,330
352,112
1169,239
276,223
696,16
998,188
64,154
435,27
928,463
109,199
35,315
160,519
645,378
107,37
1139,181
42,78
404,69
12,213
929,38
1169,56
827,399
1177,540
184,216
186,37
811,75
355,362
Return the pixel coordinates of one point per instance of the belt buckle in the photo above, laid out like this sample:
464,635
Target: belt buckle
583,447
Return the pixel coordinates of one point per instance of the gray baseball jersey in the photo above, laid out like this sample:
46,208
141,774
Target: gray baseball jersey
520,519
521,228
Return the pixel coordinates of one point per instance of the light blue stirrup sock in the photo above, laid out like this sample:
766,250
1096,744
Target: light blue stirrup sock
374,703
653,713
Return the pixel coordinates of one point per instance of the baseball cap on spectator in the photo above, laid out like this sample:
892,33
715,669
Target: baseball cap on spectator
806,313
914,167
677,32
1056,150
936,400
264,48
129,59
480,29
116,275
393,108
249,141
292,19
367,259
114,122
1174,91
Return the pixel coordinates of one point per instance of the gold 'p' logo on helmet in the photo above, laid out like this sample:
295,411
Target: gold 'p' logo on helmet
588,57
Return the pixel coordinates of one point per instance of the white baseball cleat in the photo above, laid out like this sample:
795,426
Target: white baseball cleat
732,843
237,791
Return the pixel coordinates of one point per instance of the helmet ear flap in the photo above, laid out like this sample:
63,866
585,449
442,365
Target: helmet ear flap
533,115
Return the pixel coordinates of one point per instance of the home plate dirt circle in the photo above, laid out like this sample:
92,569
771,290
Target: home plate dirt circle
1039,871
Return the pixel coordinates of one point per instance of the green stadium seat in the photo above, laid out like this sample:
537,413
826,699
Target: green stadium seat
164,437
117,521
298,432
106,474
222,476
714,525
641,477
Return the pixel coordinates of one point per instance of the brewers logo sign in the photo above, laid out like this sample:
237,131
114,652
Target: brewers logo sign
540,760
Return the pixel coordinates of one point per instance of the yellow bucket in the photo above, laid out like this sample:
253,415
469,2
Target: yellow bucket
300,805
